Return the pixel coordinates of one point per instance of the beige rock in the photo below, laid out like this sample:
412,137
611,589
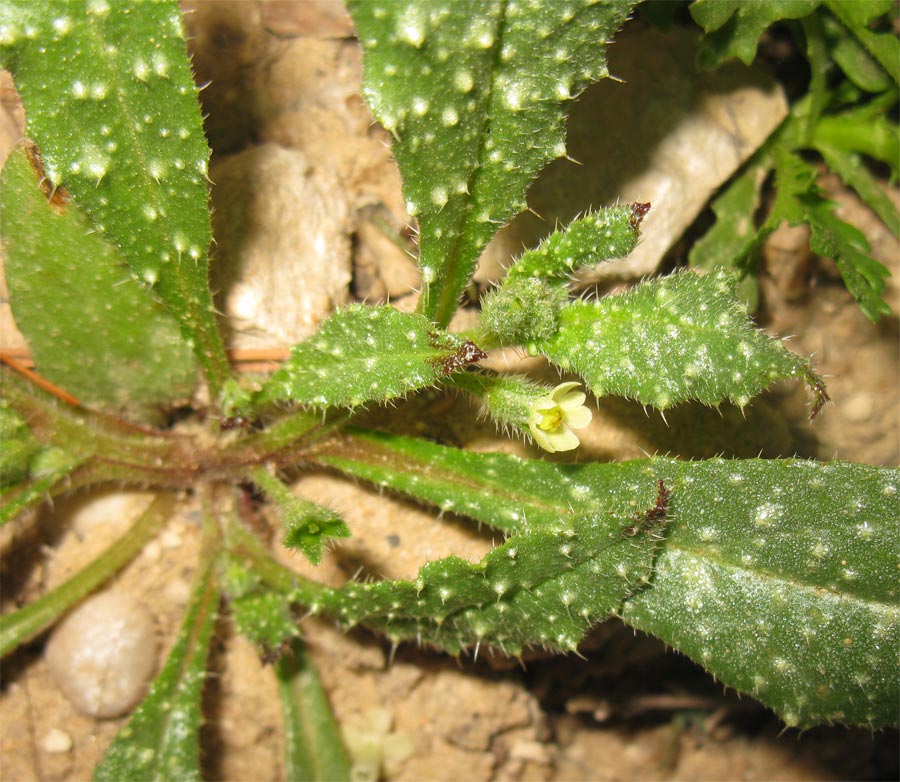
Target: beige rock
56,742
282,258
103,655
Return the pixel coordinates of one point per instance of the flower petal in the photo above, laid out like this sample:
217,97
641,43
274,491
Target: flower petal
562,439
578,418
542,438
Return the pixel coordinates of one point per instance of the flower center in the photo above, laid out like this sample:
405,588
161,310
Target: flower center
549,420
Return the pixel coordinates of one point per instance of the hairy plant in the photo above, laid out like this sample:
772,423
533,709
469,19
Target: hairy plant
777,576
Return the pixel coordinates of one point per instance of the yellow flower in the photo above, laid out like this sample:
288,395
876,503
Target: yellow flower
552,418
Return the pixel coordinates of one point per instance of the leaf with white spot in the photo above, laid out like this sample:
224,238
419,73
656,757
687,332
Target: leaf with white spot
777,576
475,94
367,354
780,578
672,339
261,614
112,107
90,327
573,555
601,235
161,741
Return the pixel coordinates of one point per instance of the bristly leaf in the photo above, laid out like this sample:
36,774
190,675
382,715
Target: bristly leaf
601,235
475,93
91,329
670,340
261,614
112,107
161,741
314,751
367,354
780,579
777,576
306,525
509,494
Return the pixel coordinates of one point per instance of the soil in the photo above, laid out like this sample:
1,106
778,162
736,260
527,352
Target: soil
288,73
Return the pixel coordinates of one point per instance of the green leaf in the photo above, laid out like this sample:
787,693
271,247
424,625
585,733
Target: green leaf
475,94
734,239
883,46
672,339
733,28
17,448
22,625
601,235
505,492
314,751
91,328
799,200
780,579
539,587
852,170
777,576
306,525
853,59
863,275
113,109
857,131
367,354
161,740
261,614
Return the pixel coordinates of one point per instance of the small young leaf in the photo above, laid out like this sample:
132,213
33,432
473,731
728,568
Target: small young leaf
17,448
367,354
475,94
779,577
599,236
306,525
113,109
48,471
261,614
91,328
669,340
161,740
314,751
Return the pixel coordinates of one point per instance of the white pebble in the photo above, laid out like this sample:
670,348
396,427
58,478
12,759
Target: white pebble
56,742
103,655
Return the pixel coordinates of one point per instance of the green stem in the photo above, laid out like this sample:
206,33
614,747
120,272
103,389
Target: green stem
313,746
24,624
131,452
35,490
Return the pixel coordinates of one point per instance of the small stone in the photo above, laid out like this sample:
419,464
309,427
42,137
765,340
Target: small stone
56,742
103,655
859,407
